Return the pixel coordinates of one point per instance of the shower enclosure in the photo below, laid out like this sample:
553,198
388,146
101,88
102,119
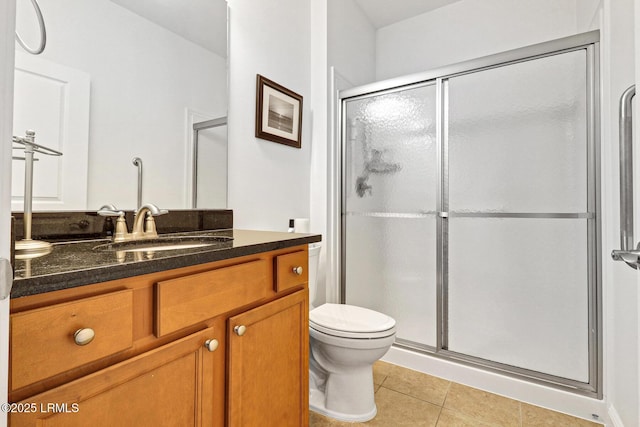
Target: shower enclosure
470,210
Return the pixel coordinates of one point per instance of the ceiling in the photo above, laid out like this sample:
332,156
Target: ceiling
203,22
385,12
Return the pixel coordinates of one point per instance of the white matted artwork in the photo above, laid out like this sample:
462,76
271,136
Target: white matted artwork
278,113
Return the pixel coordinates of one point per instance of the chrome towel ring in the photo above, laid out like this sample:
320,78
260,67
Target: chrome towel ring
43,33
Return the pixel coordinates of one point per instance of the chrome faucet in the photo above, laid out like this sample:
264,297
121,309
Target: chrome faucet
144,226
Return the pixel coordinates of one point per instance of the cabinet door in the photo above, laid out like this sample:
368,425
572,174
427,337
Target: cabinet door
268,362
169,386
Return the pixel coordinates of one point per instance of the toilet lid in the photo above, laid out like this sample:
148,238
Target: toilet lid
349,318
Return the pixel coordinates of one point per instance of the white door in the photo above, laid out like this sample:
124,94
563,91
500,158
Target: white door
52,100
7,14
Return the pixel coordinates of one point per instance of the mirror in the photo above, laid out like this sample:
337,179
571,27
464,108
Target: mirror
121,79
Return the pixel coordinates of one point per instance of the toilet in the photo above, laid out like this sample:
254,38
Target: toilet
344,342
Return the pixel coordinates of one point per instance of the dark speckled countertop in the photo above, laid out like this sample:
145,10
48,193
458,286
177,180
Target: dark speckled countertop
73,264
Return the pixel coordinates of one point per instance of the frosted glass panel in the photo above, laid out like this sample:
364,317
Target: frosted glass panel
391,152
517,137
515,152
518,293
391,268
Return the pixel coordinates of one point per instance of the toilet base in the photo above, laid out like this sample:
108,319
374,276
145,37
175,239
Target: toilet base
317,404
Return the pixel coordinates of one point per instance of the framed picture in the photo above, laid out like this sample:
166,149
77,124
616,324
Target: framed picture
278,113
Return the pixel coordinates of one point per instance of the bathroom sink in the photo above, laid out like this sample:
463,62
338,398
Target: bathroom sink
165,243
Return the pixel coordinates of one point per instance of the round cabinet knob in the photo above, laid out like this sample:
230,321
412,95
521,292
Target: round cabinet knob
297,271
240,330
84,336
211,345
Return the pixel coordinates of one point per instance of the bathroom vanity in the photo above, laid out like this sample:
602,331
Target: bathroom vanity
204,336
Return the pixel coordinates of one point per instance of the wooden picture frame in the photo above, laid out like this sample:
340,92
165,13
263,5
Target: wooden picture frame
278,113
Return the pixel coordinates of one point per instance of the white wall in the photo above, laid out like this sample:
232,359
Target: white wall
268,182
588,15
620,282
351,42
143,77
469,29
320,144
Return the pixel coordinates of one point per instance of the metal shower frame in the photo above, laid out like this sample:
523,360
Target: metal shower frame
197,127
590,43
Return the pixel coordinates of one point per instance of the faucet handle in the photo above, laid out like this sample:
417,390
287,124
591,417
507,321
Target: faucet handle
109,210
121,229
150,226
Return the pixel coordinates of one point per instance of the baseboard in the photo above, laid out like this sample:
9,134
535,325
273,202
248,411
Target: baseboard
614,417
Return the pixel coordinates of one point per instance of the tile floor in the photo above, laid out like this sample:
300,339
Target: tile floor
413,399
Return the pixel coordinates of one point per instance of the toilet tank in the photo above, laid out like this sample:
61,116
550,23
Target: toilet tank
314,259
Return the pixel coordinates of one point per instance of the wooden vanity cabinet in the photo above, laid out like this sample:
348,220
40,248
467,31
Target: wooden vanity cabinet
167,386
224,343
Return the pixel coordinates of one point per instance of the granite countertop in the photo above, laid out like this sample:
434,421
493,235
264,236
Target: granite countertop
73,264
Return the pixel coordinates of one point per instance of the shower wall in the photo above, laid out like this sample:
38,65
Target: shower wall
470,29
470,212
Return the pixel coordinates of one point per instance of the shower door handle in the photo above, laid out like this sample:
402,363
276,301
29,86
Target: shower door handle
626,252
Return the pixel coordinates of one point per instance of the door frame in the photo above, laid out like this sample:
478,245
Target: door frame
7,53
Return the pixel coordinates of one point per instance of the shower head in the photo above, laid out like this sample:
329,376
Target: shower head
377,165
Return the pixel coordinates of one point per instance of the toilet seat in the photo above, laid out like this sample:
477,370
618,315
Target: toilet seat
349,321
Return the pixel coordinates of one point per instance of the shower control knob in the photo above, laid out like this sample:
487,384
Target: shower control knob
211,345
297,271
240,330
84,336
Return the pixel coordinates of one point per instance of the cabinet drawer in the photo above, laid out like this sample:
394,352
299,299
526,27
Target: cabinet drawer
188,300
42,340
286,265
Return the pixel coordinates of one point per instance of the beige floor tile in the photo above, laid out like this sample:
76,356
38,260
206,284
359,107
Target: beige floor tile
534,416
380,371
317,420
417,384
449,418
482,406
399,410
394,410
410,398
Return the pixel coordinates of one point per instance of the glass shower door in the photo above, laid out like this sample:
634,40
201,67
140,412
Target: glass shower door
518,238
470,211
389,208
